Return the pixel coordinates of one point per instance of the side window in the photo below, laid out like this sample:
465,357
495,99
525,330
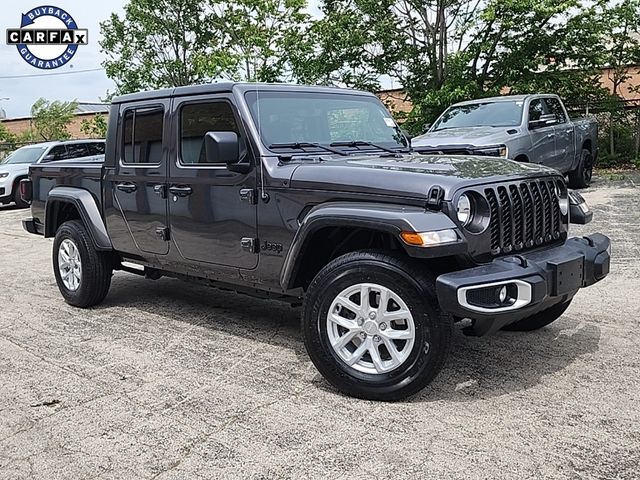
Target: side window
142,136
77,150
56,153
536,110
96,148
195,121
555,108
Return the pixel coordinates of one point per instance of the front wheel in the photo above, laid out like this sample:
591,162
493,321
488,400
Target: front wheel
581,176
539,320
373,328
83,274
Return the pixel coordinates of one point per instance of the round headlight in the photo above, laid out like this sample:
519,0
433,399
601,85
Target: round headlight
464,209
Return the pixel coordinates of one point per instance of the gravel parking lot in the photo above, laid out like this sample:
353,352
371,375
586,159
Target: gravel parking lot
172,380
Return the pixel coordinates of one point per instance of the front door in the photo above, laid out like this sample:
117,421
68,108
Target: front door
138,181
211,222
565,137
543,142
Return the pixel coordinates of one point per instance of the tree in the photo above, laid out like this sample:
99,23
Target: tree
443,51
96,127
50,119
170,43
158,43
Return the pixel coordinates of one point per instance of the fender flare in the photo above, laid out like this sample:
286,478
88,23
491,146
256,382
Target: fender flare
382,217
90,214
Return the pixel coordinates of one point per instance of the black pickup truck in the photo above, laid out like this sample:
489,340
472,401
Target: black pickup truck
313,195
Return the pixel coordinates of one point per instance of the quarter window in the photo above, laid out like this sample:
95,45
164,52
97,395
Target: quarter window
96,148
142,136
195,121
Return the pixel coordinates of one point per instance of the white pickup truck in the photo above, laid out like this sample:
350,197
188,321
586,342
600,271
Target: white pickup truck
526,128
16,166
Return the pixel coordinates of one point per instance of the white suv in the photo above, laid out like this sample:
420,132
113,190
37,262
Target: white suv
16,166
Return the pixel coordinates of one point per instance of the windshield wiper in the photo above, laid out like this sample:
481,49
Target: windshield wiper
356,143
303,145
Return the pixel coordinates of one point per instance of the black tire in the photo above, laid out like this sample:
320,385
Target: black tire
581,176
539,320
17,198
416,288
96,267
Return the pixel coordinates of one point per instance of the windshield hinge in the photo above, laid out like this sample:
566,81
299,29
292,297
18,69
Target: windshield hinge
435,197
248,195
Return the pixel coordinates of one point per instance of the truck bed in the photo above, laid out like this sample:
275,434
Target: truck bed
45,177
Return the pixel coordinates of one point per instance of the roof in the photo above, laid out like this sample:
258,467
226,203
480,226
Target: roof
229,87
62,142
504,98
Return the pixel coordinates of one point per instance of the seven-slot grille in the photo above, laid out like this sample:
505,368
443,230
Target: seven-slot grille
523,215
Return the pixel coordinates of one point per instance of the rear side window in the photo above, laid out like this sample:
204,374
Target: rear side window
556,108
142,136
77,150
195,121
96,148
56,153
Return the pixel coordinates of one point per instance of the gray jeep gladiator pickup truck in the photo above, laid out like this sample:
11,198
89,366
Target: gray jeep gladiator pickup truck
312,195
526,128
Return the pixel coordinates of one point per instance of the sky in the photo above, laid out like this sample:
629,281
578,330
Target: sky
85,87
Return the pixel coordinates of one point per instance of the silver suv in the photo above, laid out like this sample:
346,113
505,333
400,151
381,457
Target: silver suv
16,166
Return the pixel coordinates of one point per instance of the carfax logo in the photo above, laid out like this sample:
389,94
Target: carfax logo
48,37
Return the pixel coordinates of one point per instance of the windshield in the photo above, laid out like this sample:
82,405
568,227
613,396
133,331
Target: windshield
314,121
490,114
24,155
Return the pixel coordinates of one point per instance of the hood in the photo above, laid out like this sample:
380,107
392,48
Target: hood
14,168
411,175
474,136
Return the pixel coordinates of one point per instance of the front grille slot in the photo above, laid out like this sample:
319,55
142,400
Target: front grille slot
523,215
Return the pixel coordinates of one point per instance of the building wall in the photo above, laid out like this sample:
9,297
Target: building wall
20,125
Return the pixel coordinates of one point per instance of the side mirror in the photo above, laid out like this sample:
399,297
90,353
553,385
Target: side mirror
406,134
48,158
426,127
579,211
222,147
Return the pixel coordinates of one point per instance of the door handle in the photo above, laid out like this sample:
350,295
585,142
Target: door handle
550,135
127,187
180,191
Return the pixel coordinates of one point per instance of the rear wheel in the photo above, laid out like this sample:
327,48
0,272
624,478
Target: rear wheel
373,328
17,198
83,274
539,320
581,176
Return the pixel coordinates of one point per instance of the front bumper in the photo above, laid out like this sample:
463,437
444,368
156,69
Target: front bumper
542,279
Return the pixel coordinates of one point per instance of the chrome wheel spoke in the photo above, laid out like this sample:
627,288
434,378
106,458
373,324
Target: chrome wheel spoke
396,315
398,334
344,340
349,305
376,358
357,354
364,297
343,322
393,351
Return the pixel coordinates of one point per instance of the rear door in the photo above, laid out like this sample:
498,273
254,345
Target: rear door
543,143
565,137
212,217
138,181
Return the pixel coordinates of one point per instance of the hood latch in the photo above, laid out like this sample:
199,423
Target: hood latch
435,197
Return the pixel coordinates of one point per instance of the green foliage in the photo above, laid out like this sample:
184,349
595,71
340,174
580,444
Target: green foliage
167,43
5,135
96,127
50,119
